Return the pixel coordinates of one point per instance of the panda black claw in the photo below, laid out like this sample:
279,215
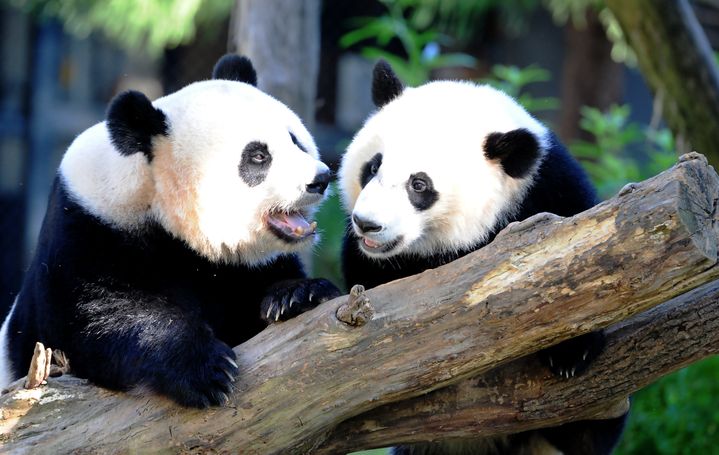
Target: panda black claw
231,362
572,357
229,375
287,299
225,398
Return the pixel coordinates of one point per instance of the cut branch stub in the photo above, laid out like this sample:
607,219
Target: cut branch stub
358,310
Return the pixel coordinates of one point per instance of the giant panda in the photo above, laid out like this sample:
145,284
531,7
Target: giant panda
434,174
170,235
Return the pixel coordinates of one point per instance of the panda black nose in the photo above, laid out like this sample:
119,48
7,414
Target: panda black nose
365,225
319,184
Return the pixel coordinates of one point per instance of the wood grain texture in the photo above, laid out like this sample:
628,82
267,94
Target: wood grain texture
539,282
522,395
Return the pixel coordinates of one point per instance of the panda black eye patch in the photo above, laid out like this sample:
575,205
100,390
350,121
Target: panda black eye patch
370,169
255,163
297,143
421,192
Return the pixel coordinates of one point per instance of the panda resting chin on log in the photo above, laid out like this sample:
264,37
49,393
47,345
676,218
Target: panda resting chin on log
434,174
170,236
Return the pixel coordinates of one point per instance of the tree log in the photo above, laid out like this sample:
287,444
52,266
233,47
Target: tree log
676,60
521,395
541,281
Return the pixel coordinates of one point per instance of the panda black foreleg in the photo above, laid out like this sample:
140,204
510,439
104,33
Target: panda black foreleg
588,437
286,299
129,340
572,357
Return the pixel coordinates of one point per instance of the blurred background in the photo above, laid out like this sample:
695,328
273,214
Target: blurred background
567,61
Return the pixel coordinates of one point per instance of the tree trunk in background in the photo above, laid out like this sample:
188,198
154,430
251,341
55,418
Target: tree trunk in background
589,77
282,38
675,59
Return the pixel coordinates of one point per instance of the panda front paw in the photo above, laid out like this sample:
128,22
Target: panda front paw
287,299
572,357
205,380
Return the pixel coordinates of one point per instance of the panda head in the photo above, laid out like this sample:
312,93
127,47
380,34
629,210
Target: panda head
219,164
437,167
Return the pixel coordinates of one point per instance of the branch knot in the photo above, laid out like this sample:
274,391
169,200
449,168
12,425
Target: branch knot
358,310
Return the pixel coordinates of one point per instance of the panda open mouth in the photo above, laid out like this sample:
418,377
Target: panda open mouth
372,246
290,227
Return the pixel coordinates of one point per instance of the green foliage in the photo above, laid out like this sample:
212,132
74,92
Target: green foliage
676,415
622,52
422,47
513,81
608,159
463,18
574,10
134,24
331,224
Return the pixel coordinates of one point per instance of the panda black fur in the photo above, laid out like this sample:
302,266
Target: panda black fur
435,174
170,236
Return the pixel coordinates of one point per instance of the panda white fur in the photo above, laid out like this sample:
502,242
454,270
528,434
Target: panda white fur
434,174
169,236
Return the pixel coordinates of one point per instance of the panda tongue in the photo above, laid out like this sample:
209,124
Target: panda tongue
292,224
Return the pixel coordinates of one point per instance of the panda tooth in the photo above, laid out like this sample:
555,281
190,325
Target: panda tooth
313,226
299,230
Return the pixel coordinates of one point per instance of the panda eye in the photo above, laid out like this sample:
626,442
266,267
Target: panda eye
418,185
374,169
258,157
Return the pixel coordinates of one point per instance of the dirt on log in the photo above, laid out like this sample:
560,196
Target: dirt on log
541,281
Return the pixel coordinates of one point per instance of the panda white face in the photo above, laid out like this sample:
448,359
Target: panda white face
226,168
249,171
437,167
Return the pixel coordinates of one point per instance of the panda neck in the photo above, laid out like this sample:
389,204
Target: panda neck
135,254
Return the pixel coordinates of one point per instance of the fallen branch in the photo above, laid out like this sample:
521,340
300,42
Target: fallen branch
539,282
522,395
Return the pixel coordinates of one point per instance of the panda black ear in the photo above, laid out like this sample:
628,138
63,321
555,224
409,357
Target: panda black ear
386,86
233,67
133,121
517,151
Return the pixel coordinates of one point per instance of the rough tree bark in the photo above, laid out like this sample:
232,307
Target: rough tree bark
282,38
539,282
677,62
522,395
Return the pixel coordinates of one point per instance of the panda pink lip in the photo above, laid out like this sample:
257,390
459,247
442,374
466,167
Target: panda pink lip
373,246
291,227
